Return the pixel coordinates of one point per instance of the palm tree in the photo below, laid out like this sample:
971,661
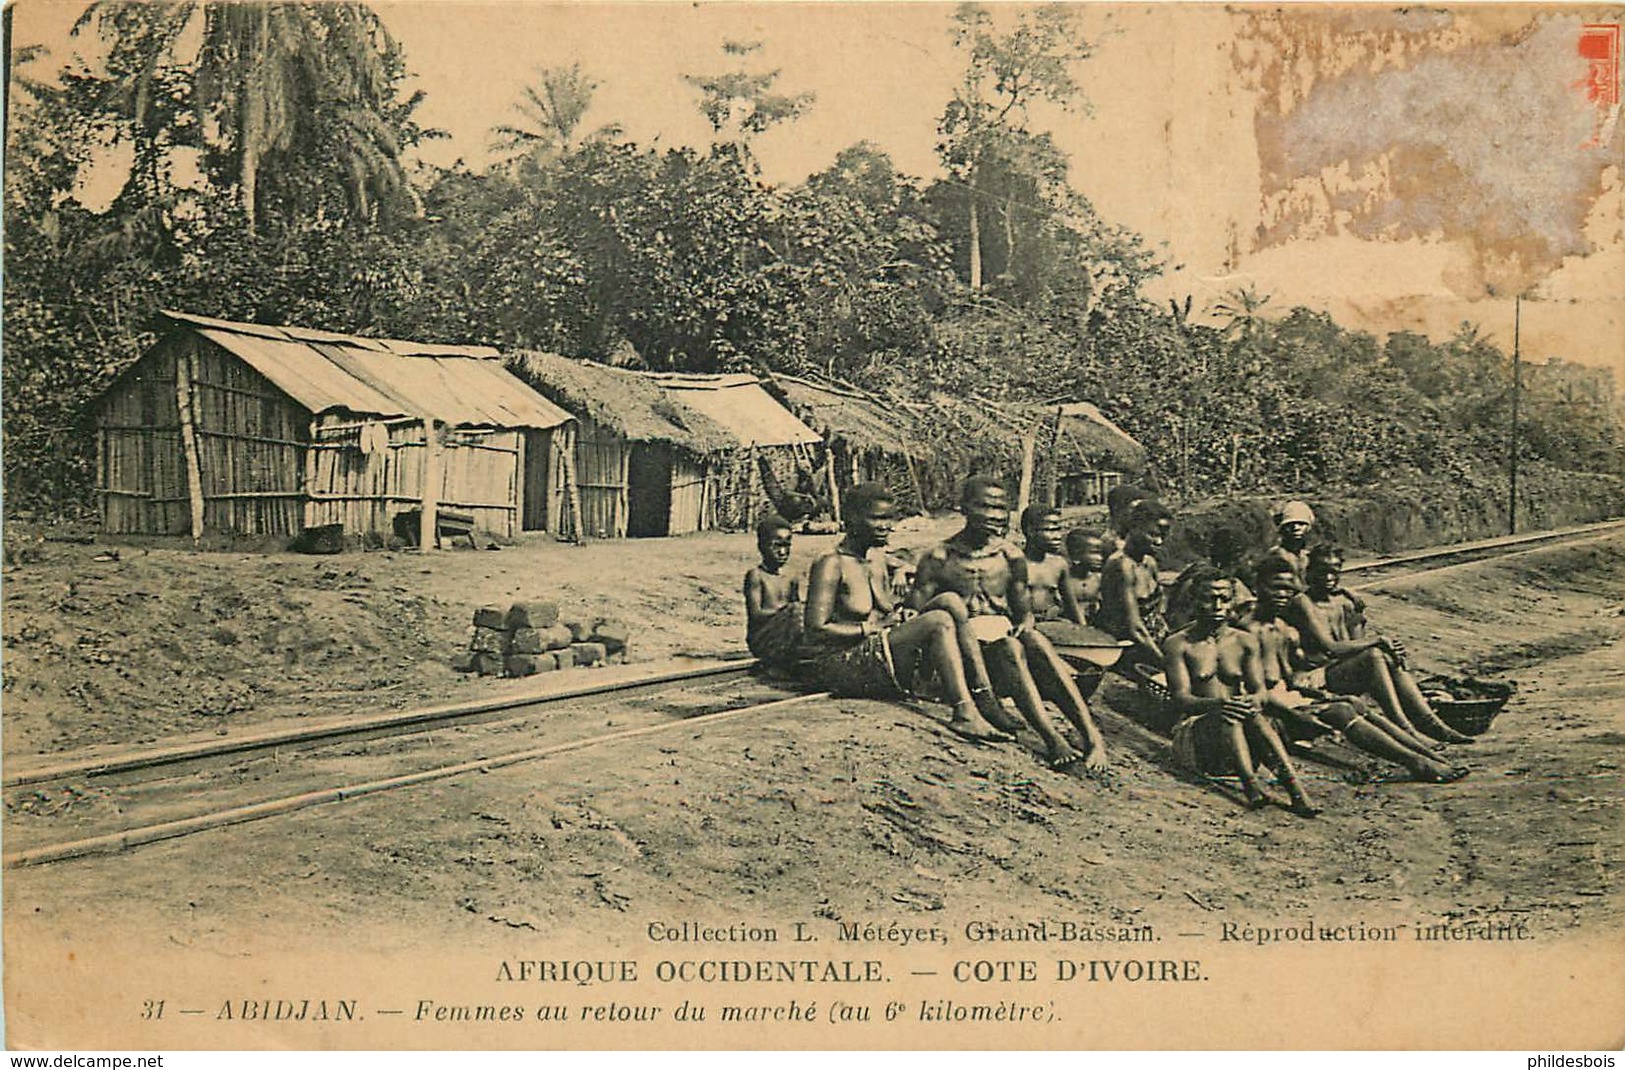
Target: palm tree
285,88
1244,307
553,110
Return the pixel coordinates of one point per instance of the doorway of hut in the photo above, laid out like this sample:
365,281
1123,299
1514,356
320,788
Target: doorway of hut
648,492
538,462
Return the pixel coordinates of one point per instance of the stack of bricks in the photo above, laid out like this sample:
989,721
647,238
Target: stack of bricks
529,637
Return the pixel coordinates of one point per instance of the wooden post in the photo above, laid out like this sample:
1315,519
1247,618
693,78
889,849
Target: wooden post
102,467
1517,388
184,371
572,494
1029,444
1053,476
914,480
750,489
829,477
518,484
428,522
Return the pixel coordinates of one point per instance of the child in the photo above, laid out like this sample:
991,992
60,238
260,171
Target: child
1049,575
1086,552
773,600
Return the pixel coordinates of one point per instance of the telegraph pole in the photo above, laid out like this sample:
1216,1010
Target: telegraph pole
1517,387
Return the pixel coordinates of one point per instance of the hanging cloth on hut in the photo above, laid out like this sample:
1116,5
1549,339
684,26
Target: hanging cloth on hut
374,437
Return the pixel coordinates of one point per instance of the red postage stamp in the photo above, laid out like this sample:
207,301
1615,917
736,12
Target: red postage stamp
1600,45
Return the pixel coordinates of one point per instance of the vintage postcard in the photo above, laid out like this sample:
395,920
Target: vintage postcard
800,525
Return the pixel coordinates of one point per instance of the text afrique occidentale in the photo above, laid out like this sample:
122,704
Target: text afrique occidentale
748,967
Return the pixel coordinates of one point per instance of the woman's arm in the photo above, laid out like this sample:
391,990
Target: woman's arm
1312,626
1067,588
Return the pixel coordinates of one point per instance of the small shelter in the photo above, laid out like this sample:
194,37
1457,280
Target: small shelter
244,429
1082,453
870,440
668,454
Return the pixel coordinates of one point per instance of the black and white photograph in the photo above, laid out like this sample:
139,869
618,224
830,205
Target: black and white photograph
813,526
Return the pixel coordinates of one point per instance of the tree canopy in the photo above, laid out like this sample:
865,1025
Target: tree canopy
263,178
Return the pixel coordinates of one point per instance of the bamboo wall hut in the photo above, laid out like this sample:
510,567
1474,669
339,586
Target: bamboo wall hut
242,429
666,454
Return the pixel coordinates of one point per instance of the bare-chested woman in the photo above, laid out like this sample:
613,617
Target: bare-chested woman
1216,679
860,642
1303,707
1341,657
1131,596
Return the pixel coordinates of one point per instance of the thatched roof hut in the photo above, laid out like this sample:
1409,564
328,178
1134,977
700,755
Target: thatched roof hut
666,454
631,404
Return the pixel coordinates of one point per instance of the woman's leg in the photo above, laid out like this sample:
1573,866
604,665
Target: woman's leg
1262,734
929,638
1008,662
1421,711
1233,739
1370,737
1366,673
970,654
1055,682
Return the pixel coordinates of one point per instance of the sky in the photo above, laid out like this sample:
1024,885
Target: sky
1399,170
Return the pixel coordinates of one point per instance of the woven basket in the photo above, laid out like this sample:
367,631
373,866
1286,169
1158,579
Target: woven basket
1152,685
1466,704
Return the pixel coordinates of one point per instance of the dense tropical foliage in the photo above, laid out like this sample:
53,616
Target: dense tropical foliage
258,158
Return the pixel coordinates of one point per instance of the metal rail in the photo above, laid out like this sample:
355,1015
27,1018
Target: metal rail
148,758
1481,545
113,842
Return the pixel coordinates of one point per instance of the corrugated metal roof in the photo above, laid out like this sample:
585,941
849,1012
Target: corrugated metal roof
739,403
464,386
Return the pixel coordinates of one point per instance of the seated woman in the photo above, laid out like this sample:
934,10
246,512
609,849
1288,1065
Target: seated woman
1131,597
979,567
1339,656
860,642
1303,710
1215,680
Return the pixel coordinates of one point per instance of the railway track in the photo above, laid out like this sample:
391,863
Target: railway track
82,806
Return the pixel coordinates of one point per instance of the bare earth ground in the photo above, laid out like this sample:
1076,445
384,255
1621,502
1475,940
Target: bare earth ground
830,810
164,642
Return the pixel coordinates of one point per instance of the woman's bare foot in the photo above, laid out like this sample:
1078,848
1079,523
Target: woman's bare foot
1063,757
1439,773
968,724
992,712
1258,798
